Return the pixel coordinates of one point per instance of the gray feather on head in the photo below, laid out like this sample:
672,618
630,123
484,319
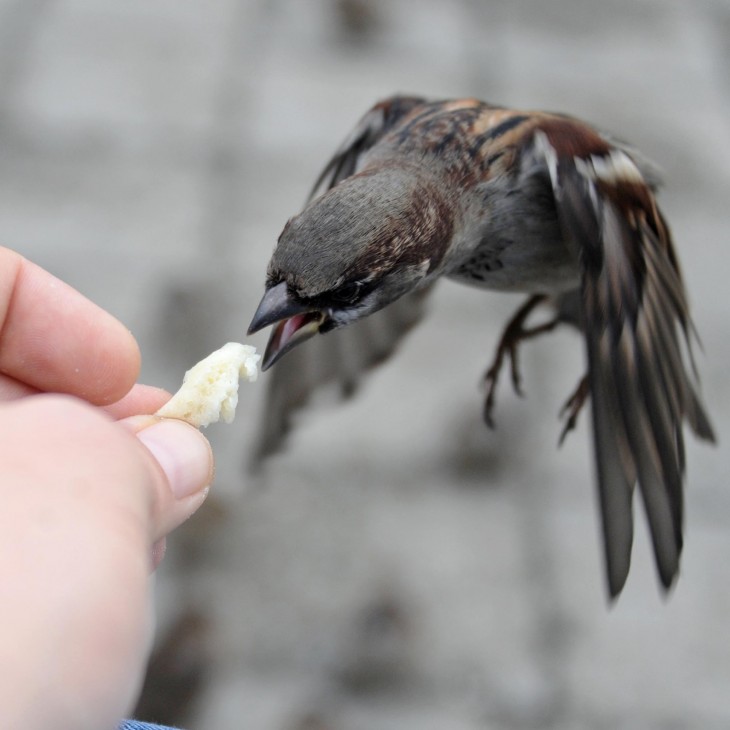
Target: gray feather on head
360,229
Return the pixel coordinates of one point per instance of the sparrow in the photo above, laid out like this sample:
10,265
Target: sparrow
507,200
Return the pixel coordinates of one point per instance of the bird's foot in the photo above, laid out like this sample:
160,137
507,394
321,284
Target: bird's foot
573,406
514,333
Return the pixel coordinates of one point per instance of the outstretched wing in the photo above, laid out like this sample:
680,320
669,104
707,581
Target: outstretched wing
340,358
637,331
369,130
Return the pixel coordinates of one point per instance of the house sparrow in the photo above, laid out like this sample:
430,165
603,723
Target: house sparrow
515,201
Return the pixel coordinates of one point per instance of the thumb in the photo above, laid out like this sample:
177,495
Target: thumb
185,460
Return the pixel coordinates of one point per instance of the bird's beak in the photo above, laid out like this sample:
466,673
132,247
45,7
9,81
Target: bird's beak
294,322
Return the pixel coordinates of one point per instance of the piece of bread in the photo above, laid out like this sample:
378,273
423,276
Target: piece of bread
210,389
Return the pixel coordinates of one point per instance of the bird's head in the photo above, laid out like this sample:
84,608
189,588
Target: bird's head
358,247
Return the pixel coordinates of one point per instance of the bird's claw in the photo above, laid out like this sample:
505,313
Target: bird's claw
573,406
507,346
513,335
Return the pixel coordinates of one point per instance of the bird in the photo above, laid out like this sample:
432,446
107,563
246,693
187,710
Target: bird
535,202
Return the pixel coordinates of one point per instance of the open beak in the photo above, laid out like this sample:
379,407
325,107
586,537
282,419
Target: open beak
294,322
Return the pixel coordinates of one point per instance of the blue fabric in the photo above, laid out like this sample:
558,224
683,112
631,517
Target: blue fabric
138,725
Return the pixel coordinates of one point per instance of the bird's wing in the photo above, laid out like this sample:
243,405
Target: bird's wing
372,127
338,359
341,357
637,330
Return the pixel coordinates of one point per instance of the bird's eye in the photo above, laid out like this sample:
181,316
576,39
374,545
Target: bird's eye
348,293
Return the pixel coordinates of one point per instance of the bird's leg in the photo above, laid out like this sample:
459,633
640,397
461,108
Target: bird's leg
573,406
514,333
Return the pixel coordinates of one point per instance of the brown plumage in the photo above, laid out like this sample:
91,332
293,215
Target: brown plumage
512,201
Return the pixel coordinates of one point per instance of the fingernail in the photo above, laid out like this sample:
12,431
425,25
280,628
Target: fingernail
183,453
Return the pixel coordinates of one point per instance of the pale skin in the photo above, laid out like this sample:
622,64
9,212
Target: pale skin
90,485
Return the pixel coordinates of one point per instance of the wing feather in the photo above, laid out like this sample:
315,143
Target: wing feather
367,132
635,317
340,358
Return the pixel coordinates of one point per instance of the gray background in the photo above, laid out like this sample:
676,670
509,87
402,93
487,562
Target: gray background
400,566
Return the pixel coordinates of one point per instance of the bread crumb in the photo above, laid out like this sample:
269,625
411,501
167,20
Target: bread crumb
209,391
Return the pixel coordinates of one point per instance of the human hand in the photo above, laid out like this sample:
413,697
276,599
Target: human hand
85,499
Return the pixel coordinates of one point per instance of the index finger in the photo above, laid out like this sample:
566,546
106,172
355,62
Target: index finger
54,339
